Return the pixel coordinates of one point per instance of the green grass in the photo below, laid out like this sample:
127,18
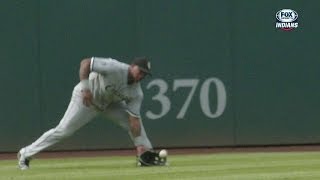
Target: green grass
246,166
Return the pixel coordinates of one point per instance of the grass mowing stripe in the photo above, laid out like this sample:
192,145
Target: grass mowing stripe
298,165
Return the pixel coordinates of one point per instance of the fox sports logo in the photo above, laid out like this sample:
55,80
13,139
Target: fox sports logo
287,19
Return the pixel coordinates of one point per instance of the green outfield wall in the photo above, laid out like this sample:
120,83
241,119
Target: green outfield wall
223,74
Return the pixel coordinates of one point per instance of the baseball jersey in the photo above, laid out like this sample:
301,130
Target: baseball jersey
108,82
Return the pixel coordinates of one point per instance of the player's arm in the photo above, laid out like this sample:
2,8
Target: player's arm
133,110
84,72
145,157
94,64
135,128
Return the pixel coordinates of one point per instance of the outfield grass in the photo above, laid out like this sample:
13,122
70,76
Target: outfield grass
290,165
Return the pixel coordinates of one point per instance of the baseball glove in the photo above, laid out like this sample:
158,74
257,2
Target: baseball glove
150,158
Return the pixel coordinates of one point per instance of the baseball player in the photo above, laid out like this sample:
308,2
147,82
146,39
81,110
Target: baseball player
108,87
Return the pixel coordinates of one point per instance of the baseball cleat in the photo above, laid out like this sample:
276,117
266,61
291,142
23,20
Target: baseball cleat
23,162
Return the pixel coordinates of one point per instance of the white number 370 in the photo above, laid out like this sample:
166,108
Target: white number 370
192,84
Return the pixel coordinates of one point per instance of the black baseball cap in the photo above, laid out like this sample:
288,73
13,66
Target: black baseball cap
143,63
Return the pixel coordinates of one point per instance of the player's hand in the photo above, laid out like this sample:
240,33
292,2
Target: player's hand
86,97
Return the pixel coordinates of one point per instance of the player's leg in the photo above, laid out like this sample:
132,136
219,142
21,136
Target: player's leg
75,117
117,113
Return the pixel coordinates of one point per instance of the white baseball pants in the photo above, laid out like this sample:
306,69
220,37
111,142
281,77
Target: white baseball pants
76,116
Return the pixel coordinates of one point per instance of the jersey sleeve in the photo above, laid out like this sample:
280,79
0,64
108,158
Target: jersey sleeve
133,106
103,65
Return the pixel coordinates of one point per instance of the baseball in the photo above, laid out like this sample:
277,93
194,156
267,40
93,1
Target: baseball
163,153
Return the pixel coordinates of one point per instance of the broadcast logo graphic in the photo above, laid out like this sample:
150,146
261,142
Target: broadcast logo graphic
287,19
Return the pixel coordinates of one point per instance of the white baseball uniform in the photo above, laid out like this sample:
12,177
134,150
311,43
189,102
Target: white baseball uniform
112,96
